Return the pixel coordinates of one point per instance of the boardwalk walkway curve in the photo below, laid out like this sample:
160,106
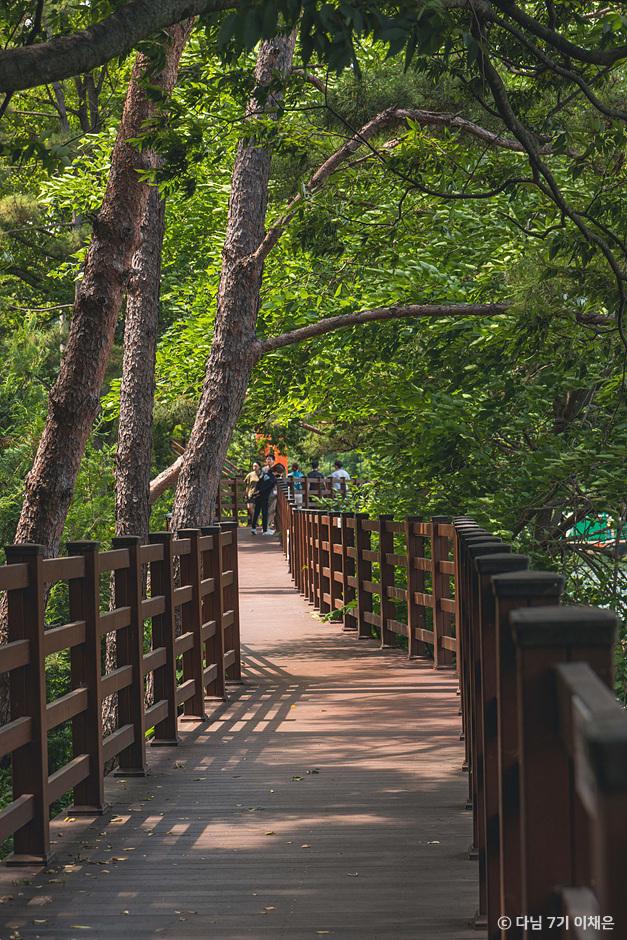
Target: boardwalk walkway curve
325,798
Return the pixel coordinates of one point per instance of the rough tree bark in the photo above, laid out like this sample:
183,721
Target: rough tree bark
74,399
134,450
233,351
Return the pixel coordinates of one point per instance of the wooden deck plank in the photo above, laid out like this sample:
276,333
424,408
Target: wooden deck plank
324,799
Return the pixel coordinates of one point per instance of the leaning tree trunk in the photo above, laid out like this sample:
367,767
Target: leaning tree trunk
134,451
233,352
74,399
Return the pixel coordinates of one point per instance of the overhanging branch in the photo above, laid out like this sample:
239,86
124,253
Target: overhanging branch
346,320
116,35
391,117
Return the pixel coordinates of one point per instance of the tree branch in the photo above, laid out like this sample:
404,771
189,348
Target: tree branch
164,480
382,121
559,42
66,56
347,320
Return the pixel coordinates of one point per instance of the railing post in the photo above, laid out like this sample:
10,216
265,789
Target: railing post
193,664
86,672
231,601
474,550
213,610
164,635
440,587
324,561
415,545
235,513
348,570
130,652
386,577
487,566
468,536
26,612
308,535
335,560
545,637
363,573
606,747
464,531
316,552
296,562
513,590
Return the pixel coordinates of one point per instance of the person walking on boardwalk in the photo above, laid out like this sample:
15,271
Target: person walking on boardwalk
276,470
317,486
265,486
297,476
250,486
339,478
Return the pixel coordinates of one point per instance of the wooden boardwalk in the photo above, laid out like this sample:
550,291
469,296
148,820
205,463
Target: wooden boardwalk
324,799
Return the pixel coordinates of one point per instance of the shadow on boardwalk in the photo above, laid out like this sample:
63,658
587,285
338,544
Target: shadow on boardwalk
324,799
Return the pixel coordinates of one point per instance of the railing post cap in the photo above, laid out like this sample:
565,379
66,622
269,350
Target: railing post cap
229,524
472,537
25,548
500,561
126,541
160,537
188,533
563,626
527,583
487,548
445,520
210,529
412,519
82,546
606,746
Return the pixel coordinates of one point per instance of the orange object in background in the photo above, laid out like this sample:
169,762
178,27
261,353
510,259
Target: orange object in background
267,447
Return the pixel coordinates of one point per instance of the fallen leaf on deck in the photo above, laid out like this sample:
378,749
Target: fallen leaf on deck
270,833
435,842
353,874
305,845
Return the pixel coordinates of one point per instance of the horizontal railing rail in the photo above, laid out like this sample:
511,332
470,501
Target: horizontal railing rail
545,738
175,619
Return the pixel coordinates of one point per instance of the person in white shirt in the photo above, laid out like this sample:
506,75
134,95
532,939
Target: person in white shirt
339,477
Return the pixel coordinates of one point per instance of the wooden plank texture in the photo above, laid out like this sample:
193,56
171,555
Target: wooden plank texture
324,799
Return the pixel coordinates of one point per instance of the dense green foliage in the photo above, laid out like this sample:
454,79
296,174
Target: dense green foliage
518,419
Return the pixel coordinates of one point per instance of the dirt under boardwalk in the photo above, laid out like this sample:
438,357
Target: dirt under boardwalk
325,799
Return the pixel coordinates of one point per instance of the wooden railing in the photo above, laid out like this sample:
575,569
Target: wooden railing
183,629
545,738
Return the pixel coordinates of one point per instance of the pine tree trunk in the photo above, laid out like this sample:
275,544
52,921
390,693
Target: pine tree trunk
233,353
134,451
74,399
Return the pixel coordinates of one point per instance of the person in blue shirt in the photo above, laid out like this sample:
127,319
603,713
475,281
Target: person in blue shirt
297,476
